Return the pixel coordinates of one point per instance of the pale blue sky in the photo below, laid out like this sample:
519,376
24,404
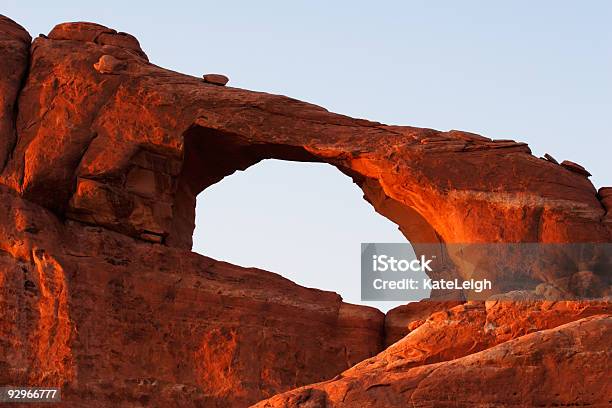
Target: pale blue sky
539,72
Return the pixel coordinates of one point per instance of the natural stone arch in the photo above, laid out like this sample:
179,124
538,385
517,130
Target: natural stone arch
211,155
107,149
122,161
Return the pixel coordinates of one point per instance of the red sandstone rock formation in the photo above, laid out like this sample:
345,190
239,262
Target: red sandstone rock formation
405,318
101,157
14,49
113,319
545,368
133,144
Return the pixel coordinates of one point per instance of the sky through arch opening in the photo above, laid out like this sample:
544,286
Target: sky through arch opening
304,221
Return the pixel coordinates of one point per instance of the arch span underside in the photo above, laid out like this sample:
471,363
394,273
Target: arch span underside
211,155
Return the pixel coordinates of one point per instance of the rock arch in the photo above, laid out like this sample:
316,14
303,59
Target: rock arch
210,155
95,151
133,144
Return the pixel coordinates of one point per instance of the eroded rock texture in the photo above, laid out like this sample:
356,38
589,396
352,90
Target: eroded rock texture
108,139
541,369
113,319
15,52
101,157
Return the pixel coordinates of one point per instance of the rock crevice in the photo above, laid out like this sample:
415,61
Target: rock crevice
15,51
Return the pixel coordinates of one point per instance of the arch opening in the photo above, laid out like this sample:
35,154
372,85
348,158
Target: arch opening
211,155
304,221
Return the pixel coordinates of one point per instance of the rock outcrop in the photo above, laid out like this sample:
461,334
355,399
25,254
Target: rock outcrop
110,319
15,52
101,157
541,369
405,318
109,139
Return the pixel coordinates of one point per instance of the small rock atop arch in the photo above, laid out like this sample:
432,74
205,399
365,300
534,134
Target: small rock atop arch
215,79
575,167
550,158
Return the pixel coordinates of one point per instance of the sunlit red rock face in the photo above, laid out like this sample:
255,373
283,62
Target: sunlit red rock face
565,366
109,139
101,157
115,320
552,368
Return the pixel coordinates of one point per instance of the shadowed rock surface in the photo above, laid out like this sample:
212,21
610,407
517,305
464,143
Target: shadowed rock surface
101,157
